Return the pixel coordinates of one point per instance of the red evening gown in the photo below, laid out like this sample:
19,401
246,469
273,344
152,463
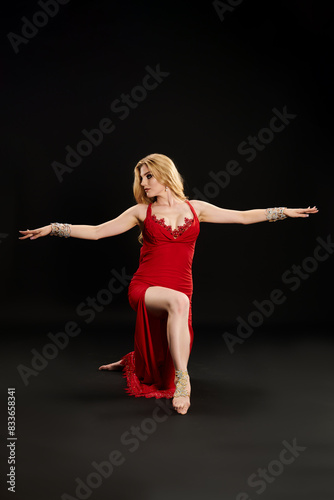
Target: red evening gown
165,260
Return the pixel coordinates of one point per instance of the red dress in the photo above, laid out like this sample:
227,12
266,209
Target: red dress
165,260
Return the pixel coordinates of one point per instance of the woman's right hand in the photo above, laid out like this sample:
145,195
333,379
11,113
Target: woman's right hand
33,234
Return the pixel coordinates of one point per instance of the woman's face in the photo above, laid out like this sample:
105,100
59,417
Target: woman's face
149,183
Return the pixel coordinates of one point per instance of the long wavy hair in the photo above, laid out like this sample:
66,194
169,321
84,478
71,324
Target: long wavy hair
165,172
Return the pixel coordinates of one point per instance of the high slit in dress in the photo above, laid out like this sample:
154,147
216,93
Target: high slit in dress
165,260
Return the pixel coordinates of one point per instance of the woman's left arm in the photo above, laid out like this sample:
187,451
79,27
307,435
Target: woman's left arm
211,213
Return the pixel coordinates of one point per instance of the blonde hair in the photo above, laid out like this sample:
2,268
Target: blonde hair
165,172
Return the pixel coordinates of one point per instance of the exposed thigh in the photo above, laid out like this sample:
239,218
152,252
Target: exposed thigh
160,301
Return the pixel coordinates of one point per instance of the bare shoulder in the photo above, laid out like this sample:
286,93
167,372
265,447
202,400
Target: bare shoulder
196,203
139,211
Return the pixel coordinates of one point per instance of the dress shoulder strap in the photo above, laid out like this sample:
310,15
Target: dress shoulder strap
149,210
192,209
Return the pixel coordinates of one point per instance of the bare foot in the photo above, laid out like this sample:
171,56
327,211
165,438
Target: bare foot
118,365
181,402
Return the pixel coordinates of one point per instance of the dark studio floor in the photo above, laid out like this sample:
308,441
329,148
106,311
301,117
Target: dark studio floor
273,394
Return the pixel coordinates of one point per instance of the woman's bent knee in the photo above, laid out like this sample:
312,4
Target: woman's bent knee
179,303
168,300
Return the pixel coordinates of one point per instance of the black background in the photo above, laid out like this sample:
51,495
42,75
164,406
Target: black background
224,79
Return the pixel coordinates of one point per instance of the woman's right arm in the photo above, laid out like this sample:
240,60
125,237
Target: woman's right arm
120,224
127,220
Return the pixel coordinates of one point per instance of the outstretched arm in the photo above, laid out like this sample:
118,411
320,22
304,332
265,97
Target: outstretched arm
211,213
127,220
120,224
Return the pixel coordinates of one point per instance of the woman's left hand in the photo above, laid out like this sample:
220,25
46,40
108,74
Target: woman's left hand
300,212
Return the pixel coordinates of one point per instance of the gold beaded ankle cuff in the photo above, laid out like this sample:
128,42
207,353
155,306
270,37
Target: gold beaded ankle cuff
274,214
60,229
182,379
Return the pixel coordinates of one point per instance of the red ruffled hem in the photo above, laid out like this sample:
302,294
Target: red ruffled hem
135,387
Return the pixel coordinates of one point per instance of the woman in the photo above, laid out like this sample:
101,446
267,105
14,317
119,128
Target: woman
161,289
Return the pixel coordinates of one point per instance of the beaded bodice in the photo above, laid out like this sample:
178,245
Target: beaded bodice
178,230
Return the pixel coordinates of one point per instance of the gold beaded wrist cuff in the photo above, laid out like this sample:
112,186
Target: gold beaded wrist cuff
60,229
274,214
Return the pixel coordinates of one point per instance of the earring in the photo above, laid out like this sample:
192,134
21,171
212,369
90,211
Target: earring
166,188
